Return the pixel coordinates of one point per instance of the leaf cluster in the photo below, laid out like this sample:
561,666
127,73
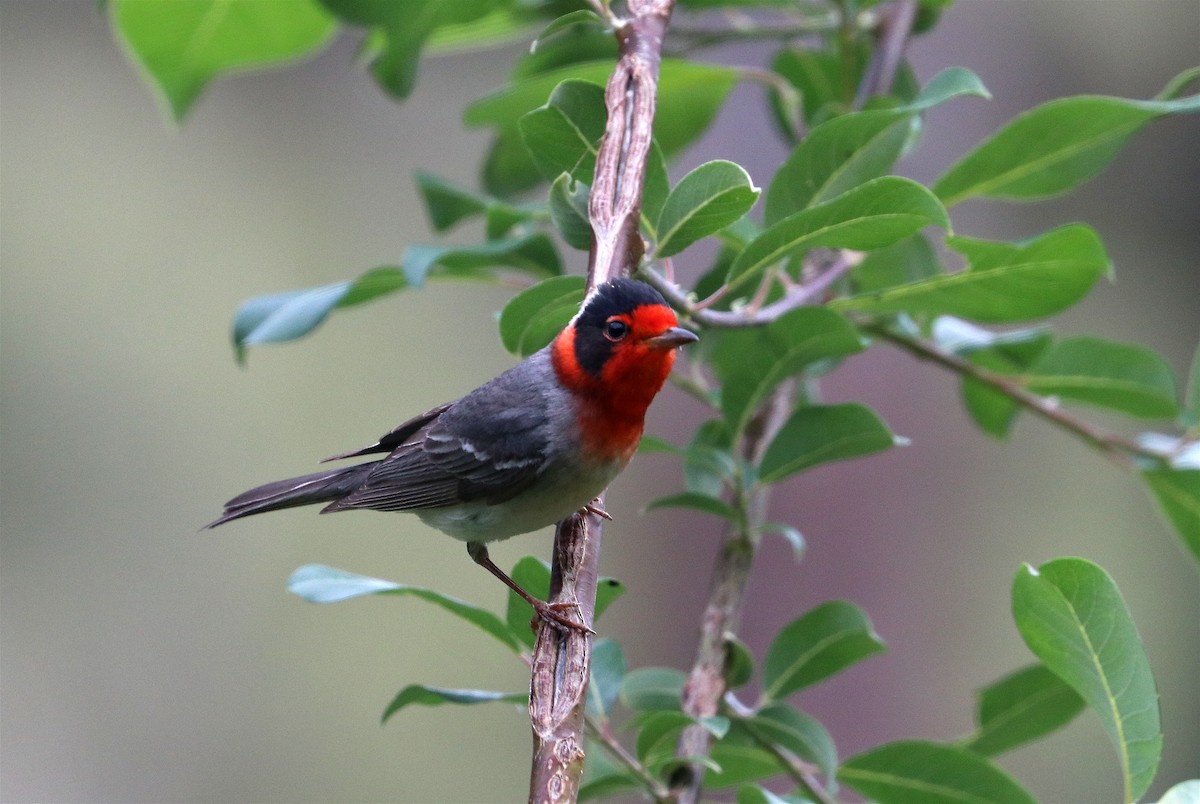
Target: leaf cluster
837,256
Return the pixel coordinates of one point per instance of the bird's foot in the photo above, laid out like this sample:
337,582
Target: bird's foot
554,614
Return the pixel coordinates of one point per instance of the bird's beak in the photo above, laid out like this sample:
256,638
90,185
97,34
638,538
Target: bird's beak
673,337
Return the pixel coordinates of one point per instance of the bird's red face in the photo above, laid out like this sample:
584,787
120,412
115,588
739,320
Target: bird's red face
615,357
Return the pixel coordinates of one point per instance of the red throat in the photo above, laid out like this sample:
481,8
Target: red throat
613,406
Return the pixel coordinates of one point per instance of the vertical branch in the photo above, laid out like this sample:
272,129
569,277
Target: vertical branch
562,660
705,684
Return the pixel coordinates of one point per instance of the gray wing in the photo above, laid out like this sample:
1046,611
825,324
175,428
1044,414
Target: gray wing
488,446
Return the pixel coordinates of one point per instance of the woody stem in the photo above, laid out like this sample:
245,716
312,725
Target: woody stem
561,661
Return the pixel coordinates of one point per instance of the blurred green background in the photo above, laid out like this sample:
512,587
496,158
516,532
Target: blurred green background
145,661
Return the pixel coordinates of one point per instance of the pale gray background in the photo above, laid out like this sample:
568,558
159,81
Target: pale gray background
143,661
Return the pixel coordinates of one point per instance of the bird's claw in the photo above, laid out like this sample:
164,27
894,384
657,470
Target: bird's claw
550,613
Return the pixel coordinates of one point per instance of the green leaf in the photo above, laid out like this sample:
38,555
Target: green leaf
447,203
696,502
534,316
794,537
739,662
564,134
1052,148
1072,617
608,590
533,254
1022,707
318,583
657,736
801,734
753,794
608,667
1183,793
705,201
953,82
913,772
822,642
872,215
821,78
1004,282
656,189
689,96
654,445
836,156
739,759
652,689
817,434
1177,492
1127,378
402,30
751,362
286,316
1011,353
910,260
184,44
602,777
436,696
533,575
582,16
569,211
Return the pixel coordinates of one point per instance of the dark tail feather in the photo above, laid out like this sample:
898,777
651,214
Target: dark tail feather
307,490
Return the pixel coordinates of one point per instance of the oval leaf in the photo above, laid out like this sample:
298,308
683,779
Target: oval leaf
914,772
608,668
689,96
753,361
1178,494
801,734
1022,707
1004,281
1131,379
436,696
652,689
569,212
824,641
705,201
817,434
872,215
318,583
1052,148
564,135
186,43
534,316
696,501
837,155
1072,617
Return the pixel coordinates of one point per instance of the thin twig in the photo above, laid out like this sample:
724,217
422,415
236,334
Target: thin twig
896,27
604,735
705,684
1119,449
797,296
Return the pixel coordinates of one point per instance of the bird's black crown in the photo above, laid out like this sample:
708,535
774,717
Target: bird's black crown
614,297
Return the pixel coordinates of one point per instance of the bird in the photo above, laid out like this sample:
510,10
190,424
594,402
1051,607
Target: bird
524,450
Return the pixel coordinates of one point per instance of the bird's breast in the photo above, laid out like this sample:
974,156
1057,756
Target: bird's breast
560,491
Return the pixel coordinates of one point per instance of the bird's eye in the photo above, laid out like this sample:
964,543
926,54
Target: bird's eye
615,329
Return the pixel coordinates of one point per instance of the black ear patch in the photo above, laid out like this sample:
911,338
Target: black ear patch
618,296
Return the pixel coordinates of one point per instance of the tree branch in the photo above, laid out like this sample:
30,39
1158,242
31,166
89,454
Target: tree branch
1119,449
561,659
705,684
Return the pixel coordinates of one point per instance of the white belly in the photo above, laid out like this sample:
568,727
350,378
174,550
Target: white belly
543,503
